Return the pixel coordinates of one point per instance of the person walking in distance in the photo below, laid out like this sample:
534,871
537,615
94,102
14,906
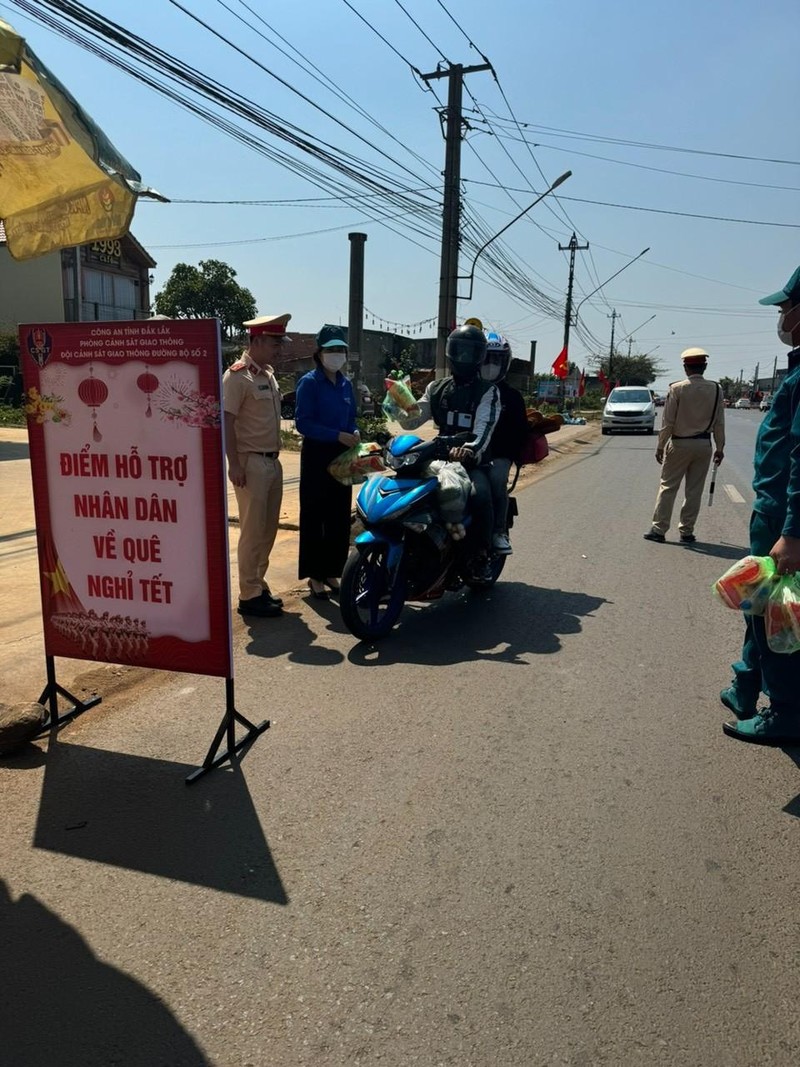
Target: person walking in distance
775,532
693,411
251,402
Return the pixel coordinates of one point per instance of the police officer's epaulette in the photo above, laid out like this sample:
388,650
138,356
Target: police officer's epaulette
669,386
238,365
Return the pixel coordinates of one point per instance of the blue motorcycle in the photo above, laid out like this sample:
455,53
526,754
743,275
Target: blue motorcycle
405,551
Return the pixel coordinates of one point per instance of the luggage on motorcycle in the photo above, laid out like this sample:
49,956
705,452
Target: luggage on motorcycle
534,449
357,463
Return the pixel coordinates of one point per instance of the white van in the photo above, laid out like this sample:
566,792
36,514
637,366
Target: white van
629,408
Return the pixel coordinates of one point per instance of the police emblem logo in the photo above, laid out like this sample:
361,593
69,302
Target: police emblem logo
40,345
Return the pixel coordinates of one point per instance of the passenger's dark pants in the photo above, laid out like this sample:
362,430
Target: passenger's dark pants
498,478
760,669
480,509
325,506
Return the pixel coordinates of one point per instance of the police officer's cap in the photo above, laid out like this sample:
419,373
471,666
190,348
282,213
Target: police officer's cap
272,325
693,356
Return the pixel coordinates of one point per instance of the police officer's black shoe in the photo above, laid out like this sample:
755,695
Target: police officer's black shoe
654,535
272,599
688,539
260,607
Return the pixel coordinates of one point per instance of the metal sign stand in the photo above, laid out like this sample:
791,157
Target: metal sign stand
51,693
228,727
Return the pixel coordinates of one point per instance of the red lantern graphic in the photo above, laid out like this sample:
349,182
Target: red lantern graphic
148,383
93,393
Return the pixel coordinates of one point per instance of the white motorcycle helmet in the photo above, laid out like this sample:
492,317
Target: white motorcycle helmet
498,358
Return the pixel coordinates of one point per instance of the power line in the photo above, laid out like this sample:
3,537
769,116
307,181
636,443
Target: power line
556,131
659,211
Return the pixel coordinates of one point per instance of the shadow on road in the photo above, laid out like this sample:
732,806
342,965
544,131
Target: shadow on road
136,813
61,1004
291,635
13,450
703,548
506,624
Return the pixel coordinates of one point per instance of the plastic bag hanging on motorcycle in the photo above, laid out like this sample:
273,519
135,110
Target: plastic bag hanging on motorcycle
357,463
454,489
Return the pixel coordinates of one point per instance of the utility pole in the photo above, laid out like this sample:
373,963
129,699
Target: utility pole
774,373
755,379
613,316
451,211
572,248
355,311
533,361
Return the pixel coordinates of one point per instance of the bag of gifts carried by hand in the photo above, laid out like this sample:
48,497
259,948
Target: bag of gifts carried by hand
747,585
356,464
399,399
782,616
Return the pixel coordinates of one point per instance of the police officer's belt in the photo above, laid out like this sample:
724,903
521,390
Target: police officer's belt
692,437
266,455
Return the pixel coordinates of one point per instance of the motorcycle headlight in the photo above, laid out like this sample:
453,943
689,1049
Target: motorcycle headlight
396,462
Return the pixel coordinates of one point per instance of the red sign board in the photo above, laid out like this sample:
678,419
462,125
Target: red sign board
129,491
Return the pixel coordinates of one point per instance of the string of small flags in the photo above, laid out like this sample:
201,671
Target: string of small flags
422,326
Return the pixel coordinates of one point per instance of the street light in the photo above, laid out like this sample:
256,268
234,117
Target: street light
605,283
471,276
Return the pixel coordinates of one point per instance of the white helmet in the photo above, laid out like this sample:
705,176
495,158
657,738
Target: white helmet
498,358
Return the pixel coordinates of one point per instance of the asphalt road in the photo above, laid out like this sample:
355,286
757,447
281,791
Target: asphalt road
512,834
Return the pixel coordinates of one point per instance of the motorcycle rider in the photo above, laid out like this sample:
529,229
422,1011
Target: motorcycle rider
465,403
508,437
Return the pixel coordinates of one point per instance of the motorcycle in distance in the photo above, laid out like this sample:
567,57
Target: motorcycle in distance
405,552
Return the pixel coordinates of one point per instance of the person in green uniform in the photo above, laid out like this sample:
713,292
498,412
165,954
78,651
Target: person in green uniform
775,532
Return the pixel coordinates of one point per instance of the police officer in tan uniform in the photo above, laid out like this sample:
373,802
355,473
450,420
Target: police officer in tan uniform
252,407
693,411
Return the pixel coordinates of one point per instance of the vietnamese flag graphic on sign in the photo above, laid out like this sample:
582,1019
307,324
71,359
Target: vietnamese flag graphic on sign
582,383
561,364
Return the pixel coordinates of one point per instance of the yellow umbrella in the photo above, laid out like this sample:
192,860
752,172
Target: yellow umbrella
62,182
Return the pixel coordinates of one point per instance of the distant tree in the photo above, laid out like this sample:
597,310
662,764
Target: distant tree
207,292
731,388
630,370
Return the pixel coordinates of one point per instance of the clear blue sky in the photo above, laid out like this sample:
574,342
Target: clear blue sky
712,76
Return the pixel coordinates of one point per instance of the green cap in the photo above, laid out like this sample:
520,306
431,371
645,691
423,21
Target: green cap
790,291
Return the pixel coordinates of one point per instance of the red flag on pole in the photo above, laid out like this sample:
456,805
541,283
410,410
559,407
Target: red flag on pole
561,365
582,383
605,382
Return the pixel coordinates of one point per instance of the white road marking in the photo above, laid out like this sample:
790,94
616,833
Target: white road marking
734,494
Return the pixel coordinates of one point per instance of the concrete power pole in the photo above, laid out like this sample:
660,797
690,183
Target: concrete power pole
451,211
613,316
355,312
572,247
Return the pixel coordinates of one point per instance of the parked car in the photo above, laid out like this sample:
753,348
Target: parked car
629,408
660,400
766,403
742,403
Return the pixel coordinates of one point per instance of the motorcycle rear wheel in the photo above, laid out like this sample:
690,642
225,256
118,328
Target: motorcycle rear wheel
369,600
496,564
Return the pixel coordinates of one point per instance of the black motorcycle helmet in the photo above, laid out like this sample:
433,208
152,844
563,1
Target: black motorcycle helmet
466,351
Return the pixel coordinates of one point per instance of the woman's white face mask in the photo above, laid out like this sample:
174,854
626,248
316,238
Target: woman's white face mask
490,372
783,335
333,361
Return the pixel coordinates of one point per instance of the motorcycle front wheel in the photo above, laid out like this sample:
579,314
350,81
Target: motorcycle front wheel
371,597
